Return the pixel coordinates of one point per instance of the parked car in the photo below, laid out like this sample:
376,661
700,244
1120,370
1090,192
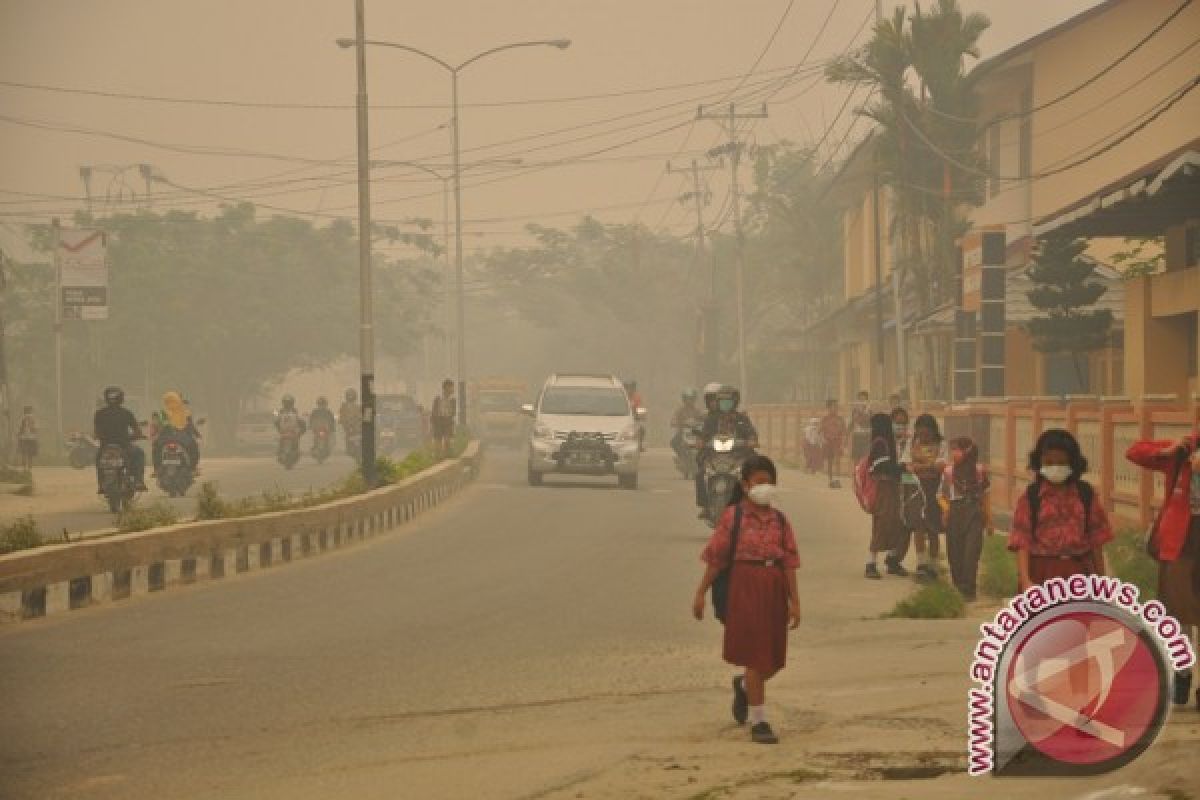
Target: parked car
256,432
584,425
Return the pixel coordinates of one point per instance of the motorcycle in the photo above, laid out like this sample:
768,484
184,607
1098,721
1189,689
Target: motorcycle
175,473
685,454
289,450
117,483
322,446
81,450
722,471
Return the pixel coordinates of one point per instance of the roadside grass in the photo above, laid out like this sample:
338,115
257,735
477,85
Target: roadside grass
997,568
143,518
20,477
21,534
936,600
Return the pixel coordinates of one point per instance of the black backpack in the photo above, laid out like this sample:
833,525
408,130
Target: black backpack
1034,495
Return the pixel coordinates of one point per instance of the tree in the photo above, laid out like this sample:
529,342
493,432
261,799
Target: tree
1064,295
924,106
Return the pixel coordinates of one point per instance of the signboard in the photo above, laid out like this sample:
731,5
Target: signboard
83,274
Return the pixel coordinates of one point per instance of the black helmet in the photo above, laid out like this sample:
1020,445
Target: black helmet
351,395
114,395
288,401
322,402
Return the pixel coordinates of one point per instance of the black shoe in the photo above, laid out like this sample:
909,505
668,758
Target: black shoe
896,568
741,704
926,574
761,733
835,484
1183,687
872,572
141,487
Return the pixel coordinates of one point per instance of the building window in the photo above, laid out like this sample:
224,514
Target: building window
1191,249
994,160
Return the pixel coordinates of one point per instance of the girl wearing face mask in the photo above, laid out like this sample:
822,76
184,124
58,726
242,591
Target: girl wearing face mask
763,599
1059,526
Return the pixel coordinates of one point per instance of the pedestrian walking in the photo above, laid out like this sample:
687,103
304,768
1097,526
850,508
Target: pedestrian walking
833,435
887,528
444,411
963,496
1174,539
751,563
814,446
27,438
924,457
1059,527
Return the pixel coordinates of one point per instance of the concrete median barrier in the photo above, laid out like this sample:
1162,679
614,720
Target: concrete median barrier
58,578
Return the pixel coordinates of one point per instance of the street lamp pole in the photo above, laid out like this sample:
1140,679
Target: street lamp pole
366,342
561,44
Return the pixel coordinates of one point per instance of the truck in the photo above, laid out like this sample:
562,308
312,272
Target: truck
497,411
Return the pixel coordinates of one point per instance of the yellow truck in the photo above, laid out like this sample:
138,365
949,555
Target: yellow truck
497,411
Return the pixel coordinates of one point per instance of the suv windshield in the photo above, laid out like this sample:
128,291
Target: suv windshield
585,401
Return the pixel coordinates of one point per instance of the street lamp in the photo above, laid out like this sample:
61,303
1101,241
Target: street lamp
454,70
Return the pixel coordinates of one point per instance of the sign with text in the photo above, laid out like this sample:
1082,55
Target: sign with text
83,274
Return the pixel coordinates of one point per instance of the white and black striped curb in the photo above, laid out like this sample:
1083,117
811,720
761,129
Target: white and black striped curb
58,578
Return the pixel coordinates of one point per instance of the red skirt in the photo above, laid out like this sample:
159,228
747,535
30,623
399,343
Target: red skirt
756,624
1043,568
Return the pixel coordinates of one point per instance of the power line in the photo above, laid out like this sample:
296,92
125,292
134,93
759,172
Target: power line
765,49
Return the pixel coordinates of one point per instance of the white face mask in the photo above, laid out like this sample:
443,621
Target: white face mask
762,494
1058,473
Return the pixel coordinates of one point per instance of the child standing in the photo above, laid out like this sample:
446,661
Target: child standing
908,492
963,495
27,438
813,446
924,458
887,528
756,544
1059,527
833,437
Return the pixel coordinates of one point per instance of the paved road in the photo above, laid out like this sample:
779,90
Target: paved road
66,498
515,643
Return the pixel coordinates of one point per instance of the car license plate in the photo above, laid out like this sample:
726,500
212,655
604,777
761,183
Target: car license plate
173,461
582,460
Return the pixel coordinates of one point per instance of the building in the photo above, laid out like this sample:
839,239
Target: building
1089,129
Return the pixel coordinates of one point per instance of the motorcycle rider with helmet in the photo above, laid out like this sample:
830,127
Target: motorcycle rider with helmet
684,419
288,422
113,424
321,418
723,418
350,416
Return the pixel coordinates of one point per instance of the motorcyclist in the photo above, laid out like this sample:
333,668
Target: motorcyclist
322,418
723,418
176,424
350,416
684,419
288,422
113,424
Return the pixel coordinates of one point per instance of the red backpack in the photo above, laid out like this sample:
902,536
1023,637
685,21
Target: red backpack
866,486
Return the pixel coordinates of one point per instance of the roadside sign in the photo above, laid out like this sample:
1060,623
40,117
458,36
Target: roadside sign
83,274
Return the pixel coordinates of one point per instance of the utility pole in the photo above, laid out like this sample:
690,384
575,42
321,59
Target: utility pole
706,365
366,342
729,118
56,238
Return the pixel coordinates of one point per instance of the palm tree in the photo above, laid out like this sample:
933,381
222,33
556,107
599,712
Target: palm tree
922,95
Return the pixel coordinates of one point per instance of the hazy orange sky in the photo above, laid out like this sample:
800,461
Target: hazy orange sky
282,51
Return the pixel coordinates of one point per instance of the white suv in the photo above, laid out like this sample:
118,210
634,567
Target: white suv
584,425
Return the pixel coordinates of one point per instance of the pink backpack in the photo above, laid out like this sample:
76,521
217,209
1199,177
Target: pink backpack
866,486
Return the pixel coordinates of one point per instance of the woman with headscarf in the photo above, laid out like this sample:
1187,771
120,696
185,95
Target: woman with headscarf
178,426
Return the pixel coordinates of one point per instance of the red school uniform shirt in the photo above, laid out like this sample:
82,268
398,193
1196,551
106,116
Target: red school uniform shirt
1060,526
765,534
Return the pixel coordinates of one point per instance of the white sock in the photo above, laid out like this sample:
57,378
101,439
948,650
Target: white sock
757,714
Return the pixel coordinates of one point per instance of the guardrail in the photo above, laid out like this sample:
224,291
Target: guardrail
54,579
1005,431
